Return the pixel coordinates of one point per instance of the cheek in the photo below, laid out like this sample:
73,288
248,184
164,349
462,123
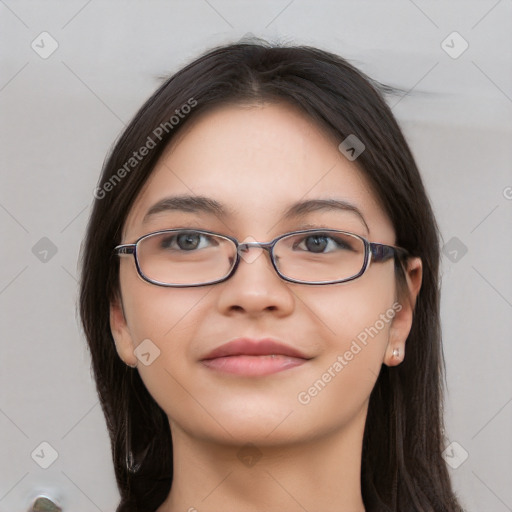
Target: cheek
354,320
170,320
349,310
157,312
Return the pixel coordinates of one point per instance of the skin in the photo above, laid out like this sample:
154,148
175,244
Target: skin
258,159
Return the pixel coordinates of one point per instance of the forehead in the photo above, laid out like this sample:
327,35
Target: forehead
256,160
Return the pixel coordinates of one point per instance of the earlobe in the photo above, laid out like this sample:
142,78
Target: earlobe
397,356
402,322
121,334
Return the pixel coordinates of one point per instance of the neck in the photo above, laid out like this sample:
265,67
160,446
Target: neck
322,474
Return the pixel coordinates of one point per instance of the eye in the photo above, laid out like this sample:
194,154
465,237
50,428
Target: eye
321,243
186,241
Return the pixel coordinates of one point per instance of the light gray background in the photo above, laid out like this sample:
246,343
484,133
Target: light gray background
60,115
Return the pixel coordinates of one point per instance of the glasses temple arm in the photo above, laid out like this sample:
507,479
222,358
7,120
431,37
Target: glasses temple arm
125,249
382,252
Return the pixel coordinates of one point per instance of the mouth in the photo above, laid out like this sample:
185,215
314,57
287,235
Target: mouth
251,357
253,365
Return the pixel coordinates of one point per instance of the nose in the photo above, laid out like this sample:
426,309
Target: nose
255,286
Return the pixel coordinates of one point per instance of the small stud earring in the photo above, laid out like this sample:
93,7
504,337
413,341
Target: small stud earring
396,353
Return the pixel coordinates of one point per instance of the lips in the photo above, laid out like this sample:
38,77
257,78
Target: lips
250,347
253,358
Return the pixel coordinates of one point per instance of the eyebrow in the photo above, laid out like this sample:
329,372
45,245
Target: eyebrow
202,204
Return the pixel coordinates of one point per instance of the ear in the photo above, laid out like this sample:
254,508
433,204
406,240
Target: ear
121,333
402,321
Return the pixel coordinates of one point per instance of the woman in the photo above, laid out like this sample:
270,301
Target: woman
260,295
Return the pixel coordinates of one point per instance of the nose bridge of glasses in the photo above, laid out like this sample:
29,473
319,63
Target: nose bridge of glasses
245,246
251,256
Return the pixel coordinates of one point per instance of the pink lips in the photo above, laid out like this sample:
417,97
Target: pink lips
249,357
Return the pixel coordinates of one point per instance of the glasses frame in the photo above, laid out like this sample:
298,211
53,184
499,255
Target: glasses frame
373,252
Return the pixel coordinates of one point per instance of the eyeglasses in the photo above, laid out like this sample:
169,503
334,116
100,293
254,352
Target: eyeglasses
193,257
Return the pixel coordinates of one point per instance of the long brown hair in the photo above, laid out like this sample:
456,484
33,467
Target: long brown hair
402,466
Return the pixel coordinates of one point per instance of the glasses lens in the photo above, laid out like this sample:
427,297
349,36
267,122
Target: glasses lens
185,257
320,256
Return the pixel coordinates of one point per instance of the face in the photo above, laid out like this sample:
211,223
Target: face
257,161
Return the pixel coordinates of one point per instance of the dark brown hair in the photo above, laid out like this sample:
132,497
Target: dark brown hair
402,466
